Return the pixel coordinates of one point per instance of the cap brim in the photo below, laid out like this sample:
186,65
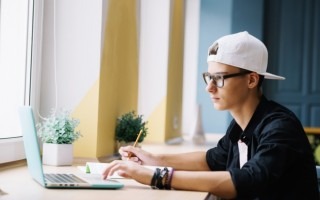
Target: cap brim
272,76
214,58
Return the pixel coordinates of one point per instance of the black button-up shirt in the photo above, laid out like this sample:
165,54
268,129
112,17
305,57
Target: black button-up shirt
280,161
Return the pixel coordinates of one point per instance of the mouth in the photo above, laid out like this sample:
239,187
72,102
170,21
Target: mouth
214,98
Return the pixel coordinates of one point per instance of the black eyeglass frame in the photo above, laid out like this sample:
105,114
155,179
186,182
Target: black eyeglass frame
223,77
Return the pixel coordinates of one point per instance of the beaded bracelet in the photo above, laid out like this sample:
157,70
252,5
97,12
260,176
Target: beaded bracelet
167,184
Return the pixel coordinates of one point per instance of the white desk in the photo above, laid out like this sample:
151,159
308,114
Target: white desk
18,184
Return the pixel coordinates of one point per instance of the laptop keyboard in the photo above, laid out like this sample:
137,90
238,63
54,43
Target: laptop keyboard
63,178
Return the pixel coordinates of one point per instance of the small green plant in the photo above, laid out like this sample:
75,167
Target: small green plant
128,127
59,128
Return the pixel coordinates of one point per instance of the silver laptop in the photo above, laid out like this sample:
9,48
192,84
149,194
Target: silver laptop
32,150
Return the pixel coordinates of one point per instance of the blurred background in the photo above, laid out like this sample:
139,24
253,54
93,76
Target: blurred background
103,58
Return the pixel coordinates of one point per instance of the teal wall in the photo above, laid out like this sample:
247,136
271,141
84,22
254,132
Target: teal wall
218,18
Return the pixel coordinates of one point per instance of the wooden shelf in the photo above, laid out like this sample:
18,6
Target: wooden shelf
312,130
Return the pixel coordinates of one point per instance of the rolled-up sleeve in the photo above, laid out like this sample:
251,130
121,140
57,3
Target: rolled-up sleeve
262,170
279,151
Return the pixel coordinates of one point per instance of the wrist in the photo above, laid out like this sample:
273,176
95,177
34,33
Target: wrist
158,160
161,178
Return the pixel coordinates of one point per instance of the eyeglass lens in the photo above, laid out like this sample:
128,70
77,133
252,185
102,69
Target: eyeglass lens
217,80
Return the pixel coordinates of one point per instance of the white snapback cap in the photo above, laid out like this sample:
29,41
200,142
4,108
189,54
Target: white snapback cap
244,51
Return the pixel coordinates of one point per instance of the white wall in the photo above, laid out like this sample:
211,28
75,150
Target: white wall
153,53
190,62
72,33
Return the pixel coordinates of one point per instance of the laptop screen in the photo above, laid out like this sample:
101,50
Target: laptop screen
32,150
31,144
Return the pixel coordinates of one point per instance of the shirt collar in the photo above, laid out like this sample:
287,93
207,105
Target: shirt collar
245,136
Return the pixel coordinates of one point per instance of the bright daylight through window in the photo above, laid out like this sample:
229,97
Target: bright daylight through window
16,53
13,64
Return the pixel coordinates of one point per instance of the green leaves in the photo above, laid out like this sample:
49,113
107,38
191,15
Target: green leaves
59,128
128,127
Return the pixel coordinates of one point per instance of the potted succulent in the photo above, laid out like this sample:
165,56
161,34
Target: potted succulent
58,133
128,127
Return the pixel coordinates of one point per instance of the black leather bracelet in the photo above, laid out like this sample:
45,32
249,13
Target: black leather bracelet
161,178
155,178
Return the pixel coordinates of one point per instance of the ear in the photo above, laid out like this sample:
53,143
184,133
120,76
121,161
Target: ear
253,80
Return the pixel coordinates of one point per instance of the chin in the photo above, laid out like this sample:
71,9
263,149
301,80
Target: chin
219,107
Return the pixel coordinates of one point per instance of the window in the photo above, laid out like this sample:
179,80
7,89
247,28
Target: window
16,61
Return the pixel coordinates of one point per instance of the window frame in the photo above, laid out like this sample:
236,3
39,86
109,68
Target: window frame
14,146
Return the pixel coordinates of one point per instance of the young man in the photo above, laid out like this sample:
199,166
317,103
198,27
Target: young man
264,154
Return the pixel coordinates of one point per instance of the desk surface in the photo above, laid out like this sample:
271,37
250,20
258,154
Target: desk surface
18,184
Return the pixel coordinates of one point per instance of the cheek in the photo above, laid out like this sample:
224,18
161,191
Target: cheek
237,93
232,92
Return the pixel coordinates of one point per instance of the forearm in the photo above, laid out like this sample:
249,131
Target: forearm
194,161
217,183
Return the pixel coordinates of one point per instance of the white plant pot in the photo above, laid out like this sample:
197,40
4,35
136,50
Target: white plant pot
57,154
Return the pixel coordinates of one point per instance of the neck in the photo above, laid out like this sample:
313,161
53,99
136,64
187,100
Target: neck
245,110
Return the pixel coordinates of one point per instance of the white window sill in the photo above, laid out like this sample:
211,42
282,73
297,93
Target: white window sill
11,149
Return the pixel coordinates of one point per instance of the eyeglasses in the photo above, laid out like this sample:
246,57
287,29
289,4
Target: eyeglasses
218,79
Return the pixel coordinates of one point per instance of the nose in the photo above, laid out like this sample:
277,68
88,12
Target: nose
211,88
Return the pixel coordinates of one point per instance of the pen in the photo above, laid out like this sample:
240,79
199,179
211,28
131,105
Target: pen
135,143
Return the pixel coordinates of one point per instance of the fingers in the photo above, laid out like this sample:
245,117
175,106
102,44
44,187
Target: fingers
138,155
133,159
129,169
116,168
129,153
108,171
122,152
126,151
119,166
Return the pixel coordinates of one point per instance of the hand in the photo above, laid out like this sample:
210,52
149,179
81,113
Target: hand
138,155
129,169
